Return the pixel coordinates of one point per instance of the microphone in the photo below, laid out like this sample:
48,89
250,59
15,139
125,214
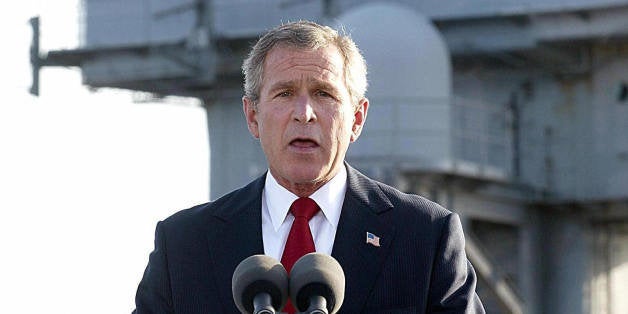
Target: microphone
317,284
260,285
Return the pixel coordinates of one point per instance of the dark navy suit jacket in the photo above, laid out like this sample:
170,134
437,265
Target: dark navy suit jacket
420,266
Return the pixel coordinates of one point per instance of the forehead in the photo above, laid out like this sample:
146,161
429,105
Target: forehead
291,63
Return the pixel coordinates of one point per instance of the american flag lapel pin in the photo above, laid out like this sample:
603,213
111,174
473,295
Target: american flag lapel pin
372,239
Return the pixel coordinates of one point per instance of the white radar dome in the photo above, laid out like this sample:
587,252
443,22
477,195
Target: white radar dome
405,53
409,72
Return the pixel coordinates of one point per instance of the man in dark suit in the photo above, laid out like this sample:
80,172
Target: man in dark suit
304,100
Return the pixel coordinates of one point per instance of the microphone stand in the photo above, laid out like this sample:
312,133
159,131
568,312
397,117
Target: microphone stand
318,305
262,304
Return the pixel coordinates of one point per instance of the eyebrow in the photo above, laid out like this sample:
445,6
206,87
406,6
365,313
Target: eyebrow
281,85
326,87
318,84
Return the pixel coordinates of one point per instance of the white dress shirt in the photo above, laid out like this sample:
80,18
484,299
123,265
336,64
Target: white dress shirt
277,221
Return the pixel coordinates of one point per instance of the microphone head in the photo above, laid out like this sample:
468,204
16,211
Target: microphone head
317,274
259,274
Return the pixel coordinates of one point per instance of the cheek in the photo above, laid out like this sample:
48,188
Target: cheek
265,123
270,129
345,121
341,130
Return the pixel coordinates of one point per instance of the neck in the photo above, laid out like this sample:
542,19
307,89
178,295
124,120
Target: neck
303,189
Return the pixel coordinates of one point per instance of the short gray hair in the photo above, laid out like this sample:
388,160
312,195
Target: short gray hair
305,35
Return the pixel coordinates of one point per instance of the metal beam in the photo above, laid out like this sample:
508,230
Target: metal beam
506,295
498,33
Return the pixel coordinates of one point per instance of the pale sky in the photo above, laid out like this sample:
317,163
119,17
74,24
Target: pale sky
84,176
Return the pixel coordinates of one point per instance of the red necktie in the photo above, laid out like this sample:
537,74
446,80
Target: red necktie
300,240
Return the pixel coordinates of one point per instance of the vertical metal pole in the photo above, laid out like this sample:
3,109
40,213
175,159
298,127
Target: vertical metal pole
35,59
516,145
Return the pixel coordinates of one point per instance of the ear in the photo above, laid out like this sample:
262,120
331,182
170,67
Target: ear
250,112
359,118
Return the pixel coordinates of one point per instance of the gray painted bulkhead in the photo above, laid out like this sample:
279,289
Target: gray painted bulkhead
525,138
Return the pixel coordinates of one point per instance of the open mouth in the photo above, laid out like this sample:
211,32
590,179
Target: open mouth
303,143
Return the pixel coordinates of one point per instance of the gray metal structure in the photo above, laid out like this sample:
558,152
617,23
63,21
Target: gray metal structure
512,113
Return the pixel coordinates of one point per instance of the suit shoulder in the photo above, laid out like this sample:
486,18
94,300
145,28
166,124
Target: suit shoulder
378,195
200,212
413,203
189,214
222,208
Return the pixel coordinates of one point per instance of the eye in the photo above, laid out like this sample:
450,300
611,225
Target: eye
323,93
282,94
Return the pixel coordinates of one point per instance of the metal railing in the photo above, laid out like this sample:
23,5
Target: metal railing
482,137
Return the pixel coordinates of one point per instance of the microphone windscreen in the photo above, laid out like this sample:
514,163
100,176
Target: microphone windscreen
259,274
317,274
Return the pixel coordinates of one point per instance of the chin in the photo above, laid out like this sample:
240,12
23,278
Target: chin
307,174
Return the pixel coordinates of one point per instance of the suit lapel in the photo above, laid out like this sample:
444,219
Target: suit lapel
362,212
234,234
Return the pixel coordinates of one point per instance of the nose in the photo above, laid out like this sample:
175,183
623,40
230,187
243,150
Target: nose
303,110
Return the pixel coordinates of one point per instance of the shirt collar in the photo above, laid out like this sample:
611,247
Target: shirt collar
329,198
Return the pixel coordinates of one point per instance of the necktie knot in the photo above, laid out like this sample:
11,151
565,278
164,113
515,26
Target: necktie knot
304,207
